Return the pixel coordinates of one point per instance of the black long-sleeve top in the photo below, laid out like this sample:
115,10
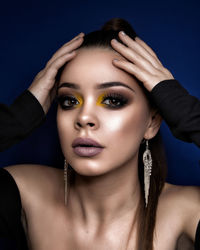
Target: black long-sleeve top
19,119
180,110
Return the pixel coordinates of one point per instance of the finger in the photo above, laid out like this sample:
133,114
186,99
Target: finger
144,45
140,49
63,50
133,69
134,57
139,73
79,35
66,49
53,68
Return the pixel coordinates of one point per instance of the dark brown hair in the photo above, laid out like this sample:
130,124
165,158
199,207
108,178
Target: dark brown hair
146,215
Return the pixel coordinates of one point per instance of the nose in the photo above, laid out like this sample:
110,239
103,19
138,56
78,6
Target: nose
87,118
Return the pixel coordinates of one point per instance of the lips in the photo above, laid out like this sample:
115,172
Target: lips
86,147
85,142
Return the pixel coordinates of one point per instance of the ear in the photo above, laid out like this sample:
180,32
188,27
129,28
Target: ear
153,125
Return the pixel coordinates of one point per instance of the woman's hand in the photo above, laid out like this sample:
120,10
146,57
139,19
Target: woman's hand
43,86
142,61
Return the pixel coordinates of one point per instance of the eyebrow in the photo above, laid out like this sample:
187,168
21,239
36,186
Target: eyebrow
99,86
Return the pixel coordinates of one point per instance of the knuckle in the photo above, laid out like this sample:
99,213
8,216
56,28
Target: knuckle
137,57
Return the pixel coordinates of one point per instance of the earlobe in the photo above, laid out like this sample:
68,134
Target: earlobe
154,125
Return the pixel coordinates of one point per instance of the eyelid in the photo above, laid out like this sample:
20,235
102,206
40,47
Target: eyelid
59,98
79,98
121,98
99,99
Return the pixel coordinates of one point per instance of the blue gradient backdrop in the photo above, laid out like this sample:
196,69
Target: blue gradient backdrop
32,30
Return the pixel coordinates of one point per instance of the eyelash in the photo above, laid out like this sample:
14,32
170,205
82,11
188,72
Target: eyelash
61,99
118,97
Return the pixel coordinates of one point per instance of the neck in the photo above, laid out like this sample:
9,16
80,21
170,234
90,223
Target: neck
100,200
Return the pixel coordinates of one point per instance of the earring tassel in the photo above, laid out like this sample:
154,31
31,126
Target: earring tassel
147,160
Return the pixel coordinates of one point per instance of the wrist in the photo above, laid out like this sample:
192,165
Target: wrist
42,96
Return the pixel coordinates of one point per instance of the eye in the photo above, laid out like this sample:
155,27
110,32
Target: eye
67,102
114,100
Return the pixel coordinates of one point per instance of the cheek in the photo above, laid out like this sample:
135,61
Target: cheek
64,127
126,127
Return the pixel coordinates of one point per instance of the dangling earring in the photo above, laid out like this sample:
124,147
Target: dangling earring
147,160
65,180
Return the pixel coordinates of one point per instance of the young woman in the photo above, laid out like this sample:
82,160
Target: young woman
114,195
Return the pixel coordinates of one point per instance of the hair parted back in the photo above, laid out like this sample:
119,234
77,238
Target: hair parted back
146,216
109,31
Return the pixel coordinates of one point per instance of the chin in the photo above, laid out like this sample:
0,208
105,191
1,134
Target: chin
88,168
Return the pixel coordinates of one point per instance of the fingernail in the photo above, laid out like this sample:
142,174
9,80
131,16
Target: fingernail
81,34
77,38
114,40
115,60
123,33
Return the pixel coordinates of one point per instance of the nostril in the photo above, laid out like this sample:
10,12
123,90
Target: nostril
80,124
91,124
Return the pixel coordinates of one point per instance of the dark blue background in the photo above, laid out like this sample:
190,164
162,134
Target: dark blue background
31,31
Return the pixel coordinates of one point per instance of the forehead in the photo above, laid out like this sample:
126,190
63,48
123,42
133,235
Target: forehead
93,66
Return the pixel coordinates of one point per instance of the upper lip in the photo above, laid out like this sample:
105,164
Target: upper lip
85,141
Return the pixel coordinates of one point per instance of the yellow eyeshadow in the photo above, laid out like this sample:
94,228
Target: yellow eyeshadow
80,100
99,100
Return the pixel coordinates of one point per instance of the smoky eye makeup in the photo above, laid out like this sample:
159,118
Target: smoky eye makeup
69,101
112,99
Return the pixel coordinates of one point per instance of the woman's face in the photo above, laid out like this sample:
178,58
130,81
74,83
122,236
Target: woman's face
118,122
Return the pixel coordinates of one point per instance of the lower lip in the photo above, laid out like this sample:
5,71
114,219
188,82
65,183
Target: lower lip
87,151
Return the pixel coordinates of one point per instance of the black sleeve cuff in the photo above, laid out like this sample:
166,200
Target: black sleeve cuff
164,89
28,111
179,109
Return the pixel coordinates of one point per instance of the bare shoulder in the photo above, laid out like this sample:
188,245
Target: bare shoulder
32,172
189,196
35,181
183,203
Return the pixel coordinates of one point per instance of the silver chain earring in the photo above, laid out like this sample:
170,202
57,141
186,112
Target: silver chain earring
66,180
147,160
